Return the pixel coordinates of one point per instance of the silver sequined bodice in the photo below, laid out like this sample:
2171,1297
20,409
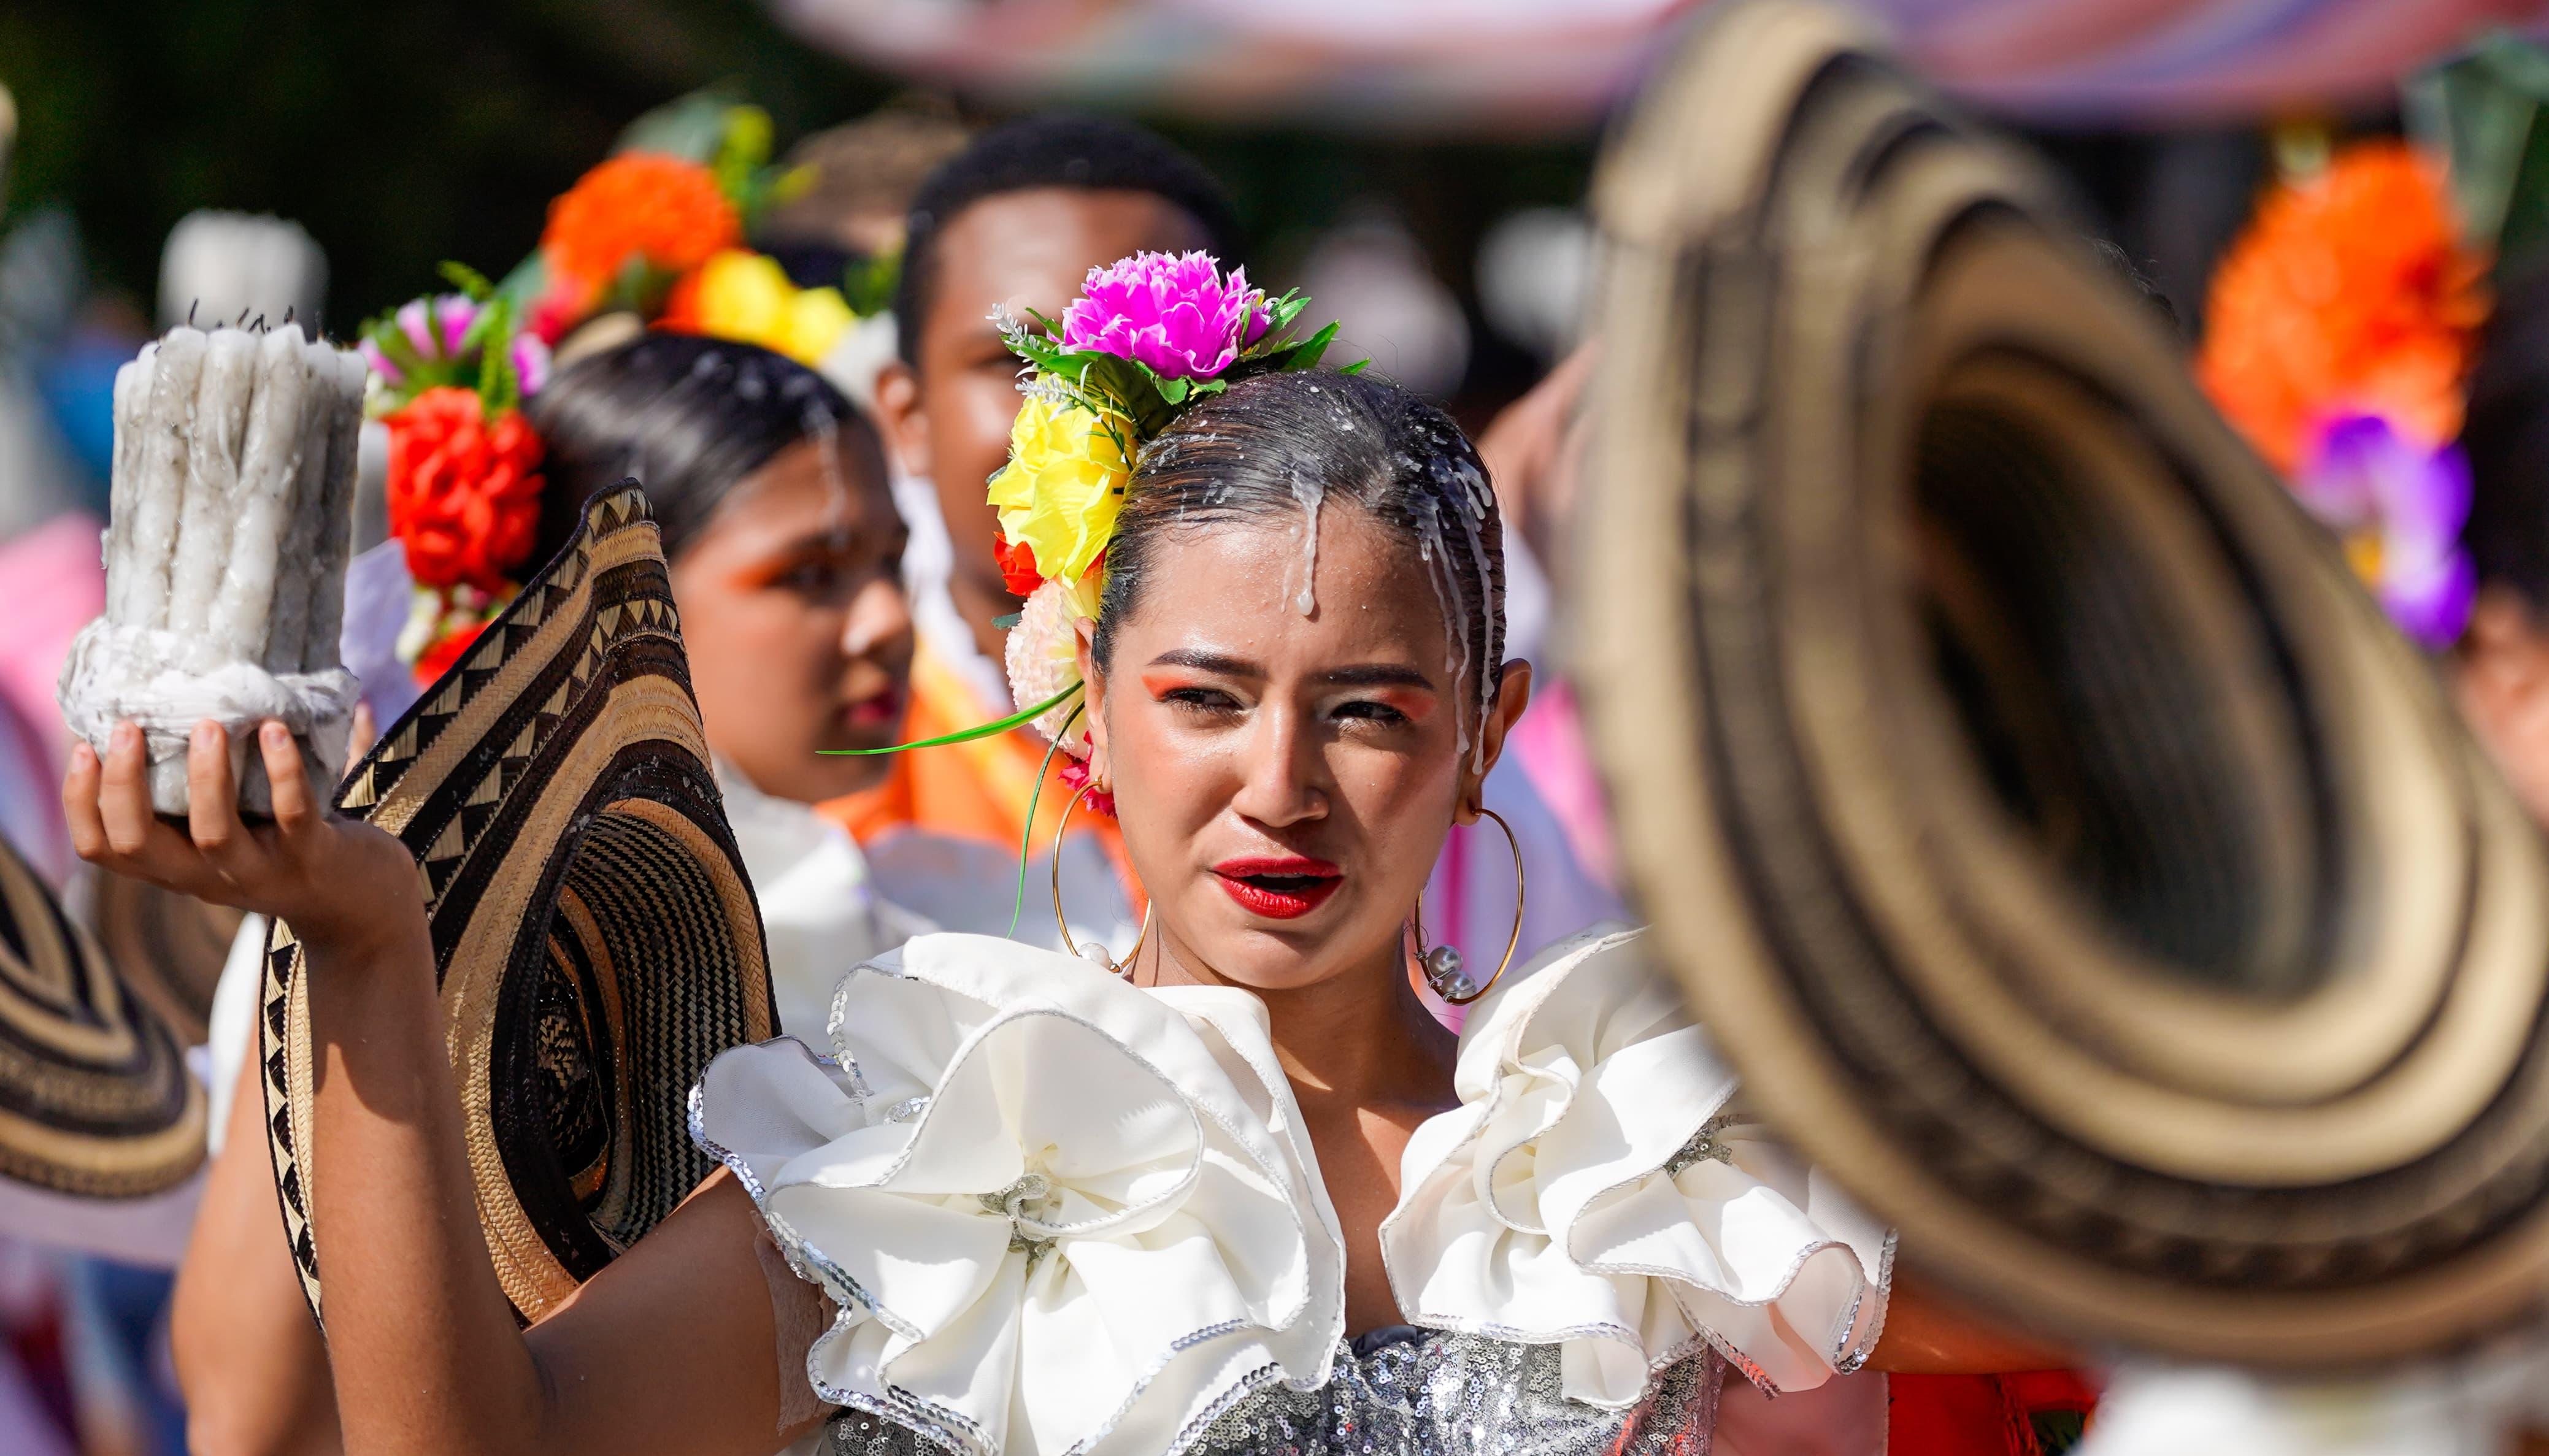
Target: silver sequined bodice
1418,1393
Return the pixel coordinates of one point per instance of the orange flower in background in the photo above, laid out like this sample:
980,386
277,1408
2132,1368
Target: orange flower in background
638,205
464,491
2350,292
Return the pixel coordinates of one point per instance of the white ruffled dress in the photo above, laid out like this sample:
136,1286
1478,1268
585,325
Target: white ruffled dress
1060,1215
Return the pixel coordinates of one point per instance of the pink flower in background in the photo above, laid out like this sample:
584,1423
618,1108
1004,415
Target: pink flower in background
1174,312
380,363
415,323
531,362
2398,506
455,314
435,326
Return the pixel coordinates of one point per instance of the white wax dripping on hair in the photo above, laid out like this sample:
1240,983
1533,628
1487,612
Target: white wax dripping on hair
1470,520
1436,553
1310,493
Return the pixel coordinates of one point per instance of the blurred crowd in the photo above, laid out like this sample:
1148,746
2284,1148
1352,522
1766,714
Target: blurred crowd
702,307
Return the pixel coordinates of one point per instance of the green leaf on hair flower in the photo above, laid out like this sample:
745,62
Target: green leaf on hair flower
1020,719
468,280
499,388
1293,356
1356,367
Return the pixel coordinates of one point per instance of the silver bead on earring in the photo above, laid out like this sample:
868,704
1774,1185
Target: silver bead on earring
1442,966
1444,972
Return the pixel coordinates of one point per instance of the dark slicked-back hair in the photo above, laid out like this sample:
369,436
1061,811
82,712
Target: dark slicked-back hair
1053,149
690,418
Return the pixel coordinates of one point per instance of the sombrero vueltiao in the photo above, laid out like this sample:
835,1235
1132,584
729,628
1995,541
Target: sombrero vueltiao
101,1124
168,948
594,937
2069,853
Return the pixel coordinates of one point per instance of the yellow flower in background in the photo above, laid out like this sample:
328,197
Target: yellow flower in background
746,296
1064,485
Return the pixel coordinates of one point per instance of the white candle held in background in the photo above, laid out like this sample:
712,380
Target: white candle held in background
225,554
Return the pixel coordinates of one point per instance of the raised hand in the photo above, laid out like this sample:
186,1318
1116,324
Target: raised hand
333,879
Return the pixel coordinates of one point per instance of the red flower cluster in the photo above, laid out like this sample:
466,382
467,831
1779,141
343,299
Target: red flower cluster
464,491
1074,776
1017,566
447,650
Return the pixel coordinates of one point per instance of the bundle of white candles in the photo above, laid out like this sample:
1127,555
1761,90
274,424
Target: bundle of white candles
230,518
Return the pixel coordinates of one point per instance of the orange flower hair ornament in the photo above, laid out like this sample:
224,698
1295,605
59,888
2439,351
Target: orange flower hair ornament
657,228
2340,331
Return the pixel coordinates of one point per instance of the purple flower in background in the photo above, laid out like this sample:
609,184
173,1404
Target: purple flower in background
531,362
1176,313
2398,505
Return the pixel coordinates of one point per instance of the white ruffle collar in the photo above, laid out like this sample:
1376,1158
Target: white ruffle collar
1064,1215
1059,1215
1598,1189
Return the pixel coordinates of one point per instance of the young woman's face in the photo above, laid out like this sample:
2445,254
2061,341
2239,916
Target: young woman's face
792,612
1286,782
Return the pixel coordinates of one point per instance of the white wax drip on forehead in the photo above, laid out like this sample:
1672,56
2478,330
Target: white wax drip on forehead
1310,492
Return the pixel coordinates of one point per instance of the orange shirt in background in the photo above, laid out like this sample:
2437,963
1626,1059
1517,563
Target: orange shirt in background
983,789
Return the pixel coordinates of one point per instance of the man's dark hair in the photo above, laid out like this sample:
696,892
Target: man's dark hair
1053,150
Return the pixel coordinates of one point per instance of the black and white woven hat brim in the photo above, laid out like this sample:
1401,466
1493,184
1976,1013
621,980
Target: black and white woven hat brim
595,935
101,1124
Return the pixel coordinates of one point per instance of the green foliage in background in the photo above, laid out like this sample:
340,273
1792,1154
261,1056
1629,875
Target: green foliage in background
399,131
402,133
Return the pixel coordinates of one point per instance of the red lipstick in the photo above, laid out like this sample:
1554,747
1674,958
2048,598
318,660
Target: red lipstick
1278,886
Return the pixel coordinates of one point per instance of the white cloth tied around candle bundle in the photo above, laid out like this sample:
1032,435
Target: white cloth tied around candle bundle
229,520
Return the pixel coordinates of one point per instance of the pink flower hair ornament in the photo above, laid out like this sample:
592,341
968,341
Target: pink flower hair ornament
1152,333
1172,313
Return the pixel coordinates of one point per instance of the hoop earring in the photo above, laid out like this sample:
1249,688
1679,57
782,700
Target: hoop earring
1442,964
1096,954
